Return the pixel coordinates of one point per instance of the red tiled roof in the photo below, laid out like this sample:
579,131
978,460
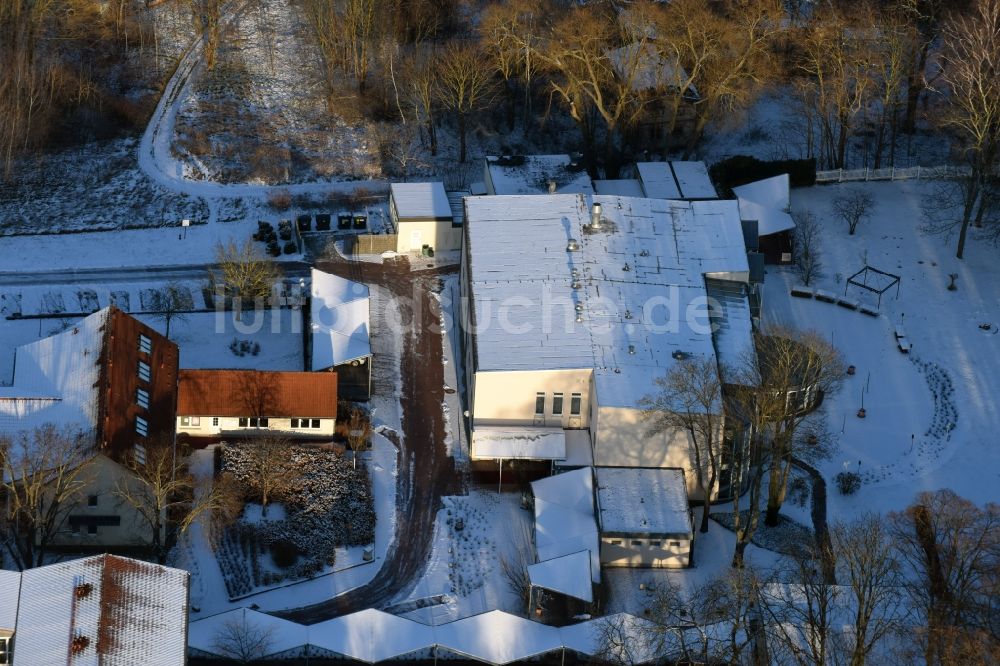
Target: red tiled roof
256,393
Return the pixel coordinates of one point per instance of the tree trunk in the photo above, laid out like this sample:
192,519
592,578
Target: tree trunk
461,137
432,135
968,206
738,559
914,86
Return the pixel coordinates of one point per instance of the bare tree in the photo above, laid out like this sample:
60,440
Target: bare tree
269,472
781,383
163,493
419,75
259,395
853,207
207,15
515,567
172,304
970,64
245,273
806,250
359,432
463,85
689,399
244,640
44,474
951,548
869,569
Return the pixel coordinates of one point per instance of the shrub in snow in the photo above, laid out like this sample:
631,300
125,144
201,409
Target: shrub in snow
290,247
284,553
848,482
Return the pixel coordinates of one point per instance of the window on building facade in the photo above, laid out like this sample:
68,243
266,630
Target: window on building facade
139,453
145,344
636,542
315,423
141,426
557,404
243,422
616,542
575,403
91,500
539,403
142,398
675,544
215,420
144,372
5,651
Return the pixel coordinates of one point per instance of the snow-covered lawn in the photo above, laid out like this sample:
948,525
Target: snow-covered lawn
464,576
932,415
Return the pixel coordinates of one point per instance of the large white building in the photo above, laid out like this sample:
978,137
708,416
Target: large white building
574,304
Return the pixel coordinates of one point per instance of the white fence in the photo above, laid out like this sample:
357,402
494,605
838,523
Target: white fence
890,173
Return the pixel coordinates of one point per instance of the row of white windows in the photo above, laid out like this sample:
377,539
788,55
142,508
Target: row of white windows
575,403
652,543
249,422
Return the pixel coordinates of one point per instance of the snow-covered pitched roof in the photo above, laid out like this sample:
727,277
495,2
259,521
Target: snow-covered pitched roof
420,201
515,442
520,268
133,613
625,187
693,180
10,590
371,636
766,201
530,174
497,637
55,379
340,328
564,517
569,574
676,180
642,500
209,634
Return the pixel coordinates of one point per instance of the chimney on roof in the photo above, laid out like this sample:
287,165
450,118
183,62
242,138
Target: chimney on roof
595,216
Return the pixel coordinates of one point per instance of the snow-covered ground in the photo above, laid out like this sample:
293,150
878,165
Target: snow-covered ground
931,416
454,382
464,576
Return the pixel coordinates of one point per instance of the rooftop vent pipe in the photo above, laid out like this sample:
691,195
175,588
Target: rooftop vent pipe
572,245
595,216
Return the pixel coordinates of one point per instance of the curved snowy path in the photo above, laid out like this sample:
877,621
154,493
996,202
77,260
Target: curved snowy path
158,162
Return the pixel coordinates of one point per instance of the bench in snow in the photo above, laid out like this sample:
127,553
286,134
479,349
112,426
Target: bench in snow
900,333
848,303
825,296
903,344
868,310
802,292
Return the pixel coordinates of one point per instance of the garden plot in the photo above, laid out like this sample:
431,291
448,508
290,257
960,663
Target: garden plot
472,535
930,415
326,504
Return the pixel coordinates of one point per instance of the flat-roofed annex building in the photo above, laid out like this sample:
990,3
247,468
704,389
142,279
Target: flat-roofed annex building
568,323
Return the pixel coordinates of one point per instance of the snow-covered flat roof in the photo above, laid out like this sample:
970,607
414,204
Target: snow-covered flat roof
569,575
639,281
767,202
564,517
676,180
55,379
284,635
420,201
530,174
642,501
135,611
658,180
340,320
514,442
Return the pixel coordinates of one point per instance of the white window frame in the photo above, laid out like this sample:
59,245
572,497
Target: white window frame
145,344
145,372
142,398
141,426
557,404
540,396
575,404
5,651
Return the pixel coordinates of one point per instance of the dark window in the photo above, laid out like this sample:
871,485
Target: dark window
262,422
145,344
315,423
5,651
557,404
575,402
92,500
215,420
243,422
92,528
675,544
144,372
539,403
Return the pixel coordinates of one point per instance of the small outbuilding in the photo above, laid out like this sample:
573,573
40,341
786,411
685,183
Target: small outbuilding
339,313
423,218
644,517
765,203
